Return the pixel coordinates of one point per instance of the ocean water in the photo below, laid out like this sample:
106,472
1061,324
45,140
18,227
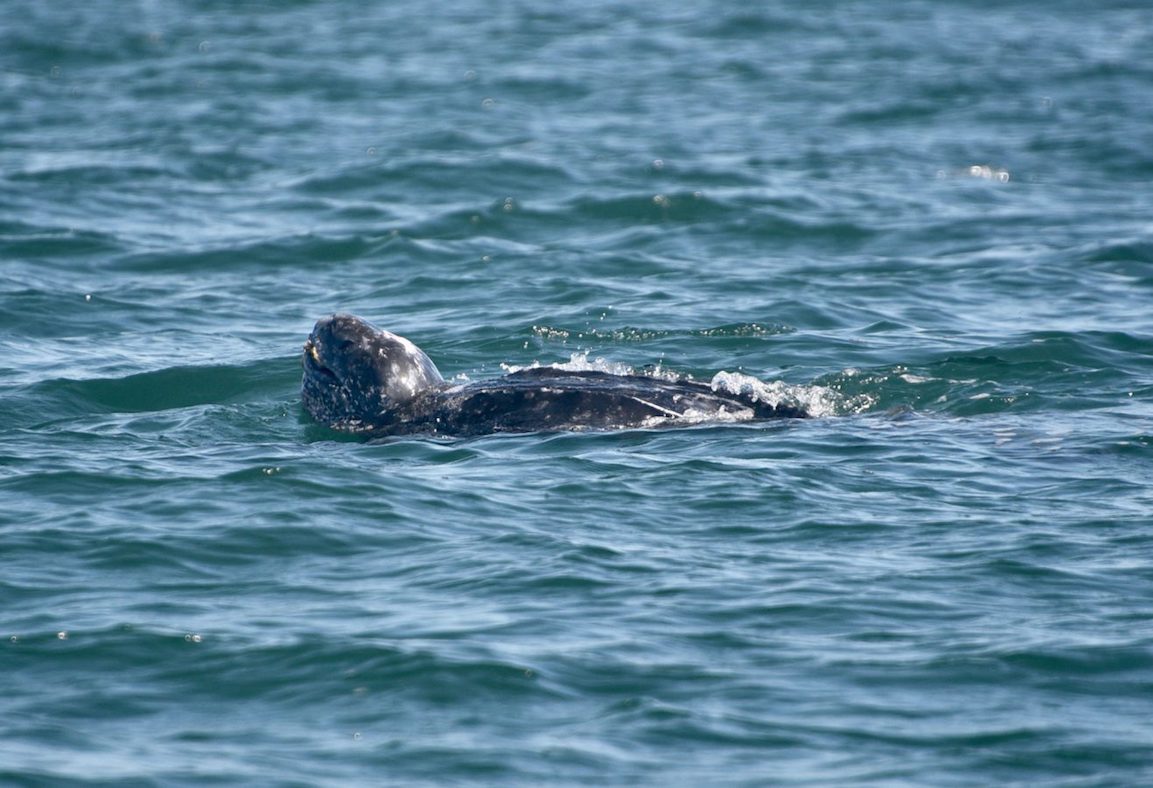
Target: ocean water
934,221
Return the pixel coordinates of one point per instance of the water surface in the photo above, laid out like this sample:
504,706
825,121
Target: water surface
934,218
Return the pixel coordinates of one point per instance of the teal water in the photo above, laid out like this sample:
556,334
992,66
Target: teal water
932,219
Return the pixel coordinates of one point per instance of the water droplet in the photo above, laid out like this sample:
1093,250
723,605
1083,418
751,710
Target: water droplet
87,296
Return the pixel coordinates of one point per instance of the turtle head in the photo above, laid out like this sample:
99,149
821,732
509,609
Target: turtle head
355,373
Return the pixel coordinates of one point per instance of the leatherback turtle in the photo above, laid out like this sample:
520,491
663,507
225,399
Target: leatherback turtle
360,379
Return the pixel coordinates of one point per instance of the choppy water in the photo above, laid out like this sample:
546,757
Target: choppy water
933,217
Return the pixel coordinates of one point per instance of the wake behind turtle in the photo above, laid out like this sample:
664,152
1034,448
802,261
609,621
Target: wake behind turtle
360,379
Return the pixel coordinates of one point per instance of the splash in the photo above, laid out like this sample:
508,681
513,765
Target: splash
817,401
580,362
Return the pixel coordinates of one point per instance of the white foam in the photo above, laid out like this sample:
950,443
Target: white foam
817,401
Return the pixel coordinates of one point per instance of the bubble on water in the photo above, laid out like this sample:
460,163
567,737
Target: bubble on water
62,635
987,173
192,637
549,332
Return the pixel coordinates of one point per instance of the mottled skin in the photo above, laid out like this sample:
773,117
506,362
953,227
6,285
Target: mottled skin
360,379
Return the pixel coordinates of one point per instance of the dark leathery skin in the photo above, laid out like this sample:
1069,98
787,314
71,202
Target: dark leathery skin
360,379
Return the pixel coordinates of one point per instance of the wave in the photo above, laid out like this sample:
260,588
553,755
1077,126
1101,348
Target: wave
24,241
168,389
637,334
451,175
1039,371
